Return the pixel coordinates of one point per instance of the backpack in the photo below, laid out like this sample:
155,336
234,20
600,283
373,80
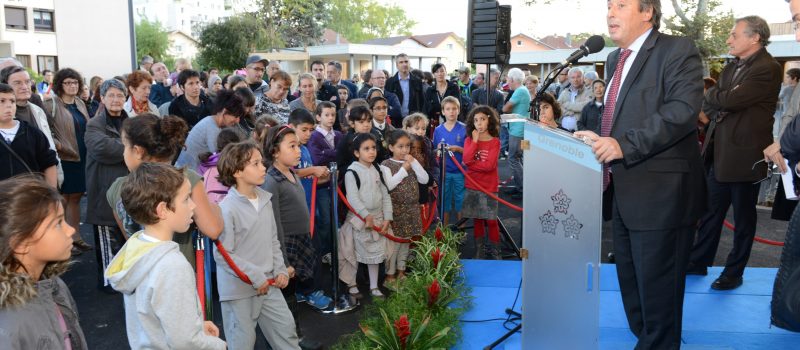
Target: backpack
215,190
342,209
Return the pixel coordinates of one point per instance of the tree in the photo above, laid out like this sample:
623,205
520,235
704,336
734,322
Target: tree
151,39
701,21
361,20
227,44
292,23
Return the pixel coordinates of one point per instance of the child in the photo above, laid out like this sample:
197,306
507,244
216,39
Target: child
370,199
215,190
251,239
323,151
148,138
342,116
481,150
162,309
263,123
36,308
344,96
380,126
302,121
25,148
292,220
360,120
452,133
403,185
416,124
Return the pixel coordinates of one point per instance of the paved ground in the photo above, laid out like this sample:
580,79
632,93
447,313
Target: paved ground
103,320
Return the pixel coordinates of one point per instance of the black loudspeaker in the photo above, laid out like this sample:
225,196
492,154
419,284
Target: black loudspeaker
488,32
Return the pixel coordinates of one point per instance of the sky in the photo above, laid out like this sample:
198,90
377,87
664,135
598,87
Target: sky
561,17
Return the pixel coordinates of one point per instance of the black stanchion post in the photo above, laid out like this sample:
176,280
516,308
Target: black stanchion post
341,301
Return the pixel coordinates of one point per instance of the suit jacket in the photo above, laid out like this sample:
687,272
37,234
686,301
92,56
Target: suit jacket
416,102
659,182
746,106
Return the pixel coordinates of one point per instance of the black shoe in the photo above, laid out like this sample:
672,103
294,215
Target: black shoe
693,269
726,283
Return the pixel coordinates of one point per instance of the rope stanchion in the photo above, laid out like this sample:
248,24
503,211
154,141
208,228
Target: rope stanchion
757,239
313,208
375,228
476,184
199,259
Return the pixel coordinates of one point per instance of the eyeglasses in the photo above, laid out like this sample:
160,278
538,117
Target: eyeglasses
70,83
772,169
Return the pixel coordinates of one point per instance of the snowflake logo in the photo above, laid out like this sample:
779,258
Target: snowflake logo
561,202
549,223
572,228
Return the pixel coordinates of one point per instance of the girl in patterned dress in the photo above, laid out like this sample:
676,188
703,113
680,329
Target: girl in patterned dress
403,176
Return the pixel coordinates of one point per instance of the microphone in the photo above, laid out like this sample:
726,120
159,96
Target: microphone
594,44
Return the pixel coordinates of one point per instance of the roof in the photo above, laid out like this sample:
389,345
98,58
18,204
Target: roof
427,40
390,41
534,39
559,42
182,33
331,37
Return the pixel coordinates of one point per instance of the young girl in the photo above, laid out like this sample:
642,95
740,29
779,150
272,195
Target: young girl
481,149
36,308
369,197
403,185
282,155
416,125
215,190
148,138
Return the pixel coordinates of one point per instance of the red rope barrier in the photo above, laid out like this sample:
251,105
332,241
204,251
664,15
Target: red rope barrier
313,209
233,266
375,228
476,184
756,238
199,259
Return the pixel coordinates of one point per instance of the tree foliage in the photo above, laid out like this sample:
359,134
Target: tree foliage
226,44
706,24
292,23
361,20
151,39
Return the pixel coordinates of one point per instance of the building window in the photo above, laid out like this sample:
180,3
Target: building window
43,20
16,18
449,46
47,62
519,42
25,60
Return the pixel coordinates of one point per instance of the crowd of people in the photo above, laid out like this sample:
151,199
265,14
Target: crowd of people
164,156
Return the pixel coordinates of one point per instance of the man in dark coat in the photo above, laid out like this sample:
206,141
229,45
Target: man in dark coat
741,108
408,89
648,142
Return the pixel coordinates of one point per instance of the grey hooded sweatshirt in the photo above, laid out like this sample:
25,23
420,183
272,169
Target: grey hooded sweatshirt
162,310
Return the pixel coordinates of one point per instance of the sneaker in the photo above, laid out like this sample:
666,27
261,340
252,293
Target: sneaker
376,293
301,298
326,259
319,300
354,292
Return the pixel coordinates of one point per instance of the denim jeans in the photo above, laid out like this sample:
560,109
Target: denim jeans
515,159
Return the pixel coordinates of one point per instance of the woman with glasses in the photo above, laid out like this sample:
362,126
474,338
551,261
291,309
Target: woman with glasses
104,164
68,117
274,102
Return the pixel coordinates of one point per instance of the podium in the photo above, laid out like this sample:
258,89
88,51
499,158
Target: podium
561,241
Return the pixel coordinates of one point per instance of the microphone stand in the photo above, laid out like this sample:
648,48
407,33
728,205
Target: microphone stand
547,82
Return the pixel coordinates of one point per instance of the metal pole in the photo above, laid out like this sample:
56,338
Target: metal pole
345,304
132,28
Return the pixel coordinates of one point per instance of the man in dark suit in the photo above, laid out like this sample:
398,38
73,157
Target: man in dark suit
334,72
648,141
741,107
408,89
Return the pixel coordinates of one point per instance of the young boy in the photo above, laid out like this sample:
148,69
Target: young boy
251,238
452,133
25,148
162,310
323,151
380,126
302,121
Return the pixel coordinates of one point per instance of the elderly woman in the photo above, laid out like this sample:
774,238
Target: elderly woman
139,83
274,102
307,84
104,164
440,89
69,116
593,111
519,103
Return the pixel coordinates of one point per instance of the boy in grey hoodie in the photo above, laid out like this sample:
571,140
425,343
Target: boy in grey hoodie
162,310
250,237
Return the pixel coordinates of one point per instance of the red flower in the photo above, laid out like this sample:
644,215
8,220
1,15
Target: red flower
436,255
433,292
438,234
403,329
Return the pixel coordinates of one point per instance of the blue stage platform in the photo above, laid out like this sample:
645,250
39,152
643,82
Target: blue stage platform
737,319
